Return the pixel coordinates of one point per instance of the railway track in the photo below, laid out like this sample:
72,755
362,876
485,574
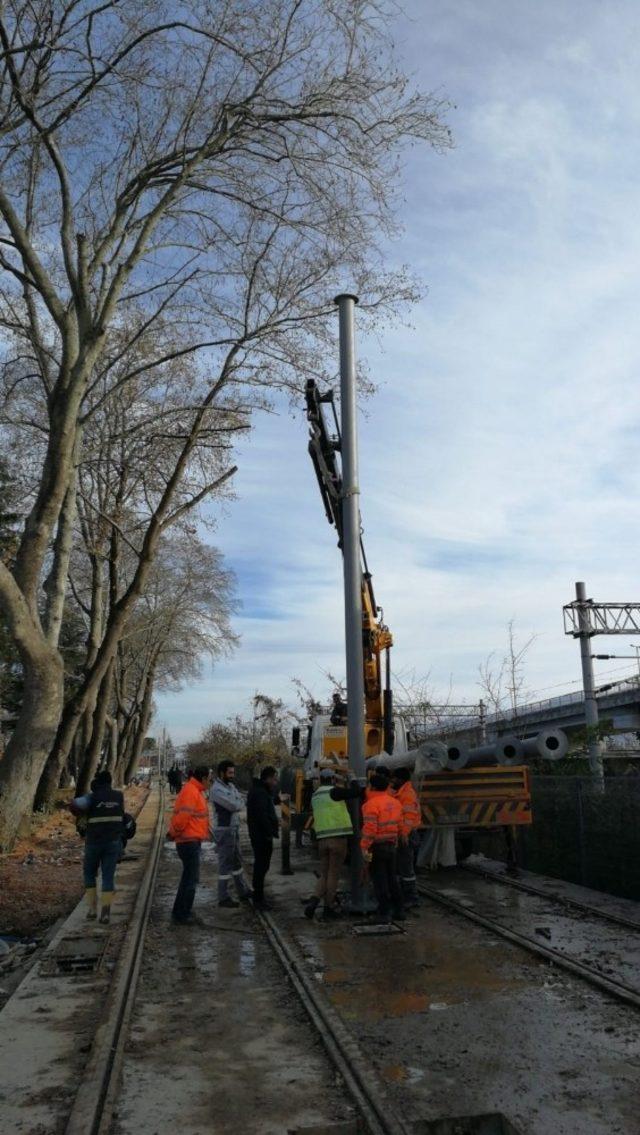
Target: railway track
473,906
376,1111
563,900
97,1095
93,1107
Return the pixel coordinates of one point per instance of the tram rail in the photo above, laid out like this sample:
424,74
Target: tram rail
96,1098
95,1101
554,896
377,1113
620,990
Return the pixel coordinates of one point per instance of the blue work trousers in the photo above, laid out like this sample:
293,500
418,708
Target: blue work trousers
189,853
227,843
103,856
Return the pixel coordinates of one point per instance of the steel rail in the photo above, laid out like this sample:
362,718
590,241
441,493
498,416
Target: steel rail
519,884
343,1050
617,989
93,1106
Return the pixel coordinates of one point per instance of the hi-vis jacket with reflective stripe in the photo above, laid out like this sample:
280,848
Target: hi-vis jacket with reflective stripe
190,820
330,817
381,820
411,815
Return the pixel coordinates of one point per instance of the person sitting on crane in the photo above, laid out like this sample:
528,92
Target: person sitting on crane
338,710
406,794
381,826
333,826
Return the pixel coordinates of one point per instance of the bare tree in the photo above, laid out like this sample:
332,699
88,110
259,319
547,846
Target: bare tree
217,169
502,680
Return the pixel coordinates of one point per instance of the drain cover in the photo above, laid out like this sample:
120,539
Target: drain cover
371,929
74,956
494,1124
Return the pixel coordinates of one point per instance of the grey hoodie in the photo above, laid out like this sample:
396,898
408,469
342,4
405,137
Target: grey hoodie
227,804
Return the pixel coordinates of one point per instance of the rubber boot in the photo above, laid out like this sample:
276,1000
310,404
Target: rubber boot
105,908
92,902
310,908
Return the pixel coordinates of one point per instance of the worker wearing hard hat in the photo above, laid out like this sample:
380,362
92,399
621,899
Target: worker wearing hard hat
333,826
407,796
381,830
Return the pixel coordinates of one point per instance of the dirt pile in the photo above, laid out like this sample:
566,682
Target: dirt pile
41,880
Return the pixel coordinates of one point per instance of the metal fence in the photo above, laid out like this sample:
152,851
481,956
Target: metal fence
584,834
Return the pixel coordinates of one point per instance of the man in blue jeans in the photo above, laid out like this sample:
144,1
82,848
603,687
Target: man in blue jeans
103,808
189,827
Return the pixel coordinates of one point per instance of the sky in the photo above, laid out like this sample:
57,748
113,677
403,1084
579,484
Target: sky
499,456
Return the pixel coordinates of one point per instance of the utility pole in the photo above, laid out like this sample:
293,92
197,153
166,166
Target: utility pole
594,745
352,575
482,721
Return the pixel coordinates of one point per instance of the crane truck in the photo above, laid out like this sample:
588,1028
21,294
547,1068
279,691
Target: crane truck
479,797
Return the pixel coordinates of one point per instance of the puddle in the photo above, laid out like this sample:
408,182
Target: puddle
427,970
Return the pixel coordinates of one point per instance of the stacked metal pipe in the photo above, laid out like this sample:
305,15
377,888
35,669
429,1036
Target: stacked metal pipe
551,744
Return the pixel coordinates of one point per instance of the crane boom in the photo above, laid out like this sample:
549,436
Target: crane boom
324,450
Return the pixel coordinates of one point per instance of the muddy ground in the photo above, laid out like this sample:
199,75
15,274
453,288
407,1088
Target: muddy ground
454,1021
218,1040
41,880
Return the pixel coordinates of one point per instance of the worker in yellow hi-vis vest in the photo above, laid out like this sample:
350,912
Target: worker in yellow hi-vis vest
333,827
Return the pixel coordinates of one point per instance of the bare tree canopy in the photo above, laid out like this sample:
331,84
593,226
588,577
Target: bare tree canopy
185,181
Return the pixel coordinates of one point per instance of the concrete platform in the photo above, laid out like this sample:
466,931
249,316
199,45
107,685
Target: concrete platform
47,1025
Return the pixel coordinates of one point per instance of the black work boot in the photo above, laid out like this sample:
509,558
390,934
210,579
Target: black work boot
310,908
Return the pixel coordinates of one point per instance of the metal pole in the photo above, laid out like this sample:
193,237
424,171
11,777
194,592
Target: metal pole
352,576
351,538
594,745
482,719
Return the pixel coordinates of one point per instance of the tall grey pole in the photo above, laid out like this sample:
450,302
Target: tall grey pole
352,582
594,745
351,537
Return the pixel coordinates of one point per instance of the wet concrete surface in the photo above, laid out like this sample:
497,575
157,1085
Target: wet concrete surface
218,1041
612,950
560,889
48,1023
458,1022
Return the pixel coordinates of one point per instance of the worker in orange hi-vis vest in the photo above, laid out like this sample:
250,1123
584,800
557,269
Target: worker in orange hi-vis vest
381,824
190,826
407,796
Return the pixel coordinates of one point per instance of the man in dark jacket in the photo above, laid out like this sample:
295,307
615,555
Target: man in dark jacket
263,829
103,808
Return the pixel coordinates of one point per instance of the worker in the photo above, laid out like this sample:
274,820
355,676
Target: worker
333,826
189,827
103,807
263,829
382,770
381,824
227,805
409,840
338,710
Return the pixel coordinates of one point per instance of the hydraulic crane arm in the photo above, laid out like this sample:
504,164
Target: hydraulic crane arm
324,448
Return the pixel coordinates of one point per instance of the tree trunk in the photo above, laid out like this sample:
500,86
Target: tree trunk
29,746
55,585
143,725
94,752
112,756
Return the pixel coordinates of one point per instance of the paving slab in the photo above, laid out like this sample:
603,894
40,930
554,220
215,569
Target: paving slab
47,1025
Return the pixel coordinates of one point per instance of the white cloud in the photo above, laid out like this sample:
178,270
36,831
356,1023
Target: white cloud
499,458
